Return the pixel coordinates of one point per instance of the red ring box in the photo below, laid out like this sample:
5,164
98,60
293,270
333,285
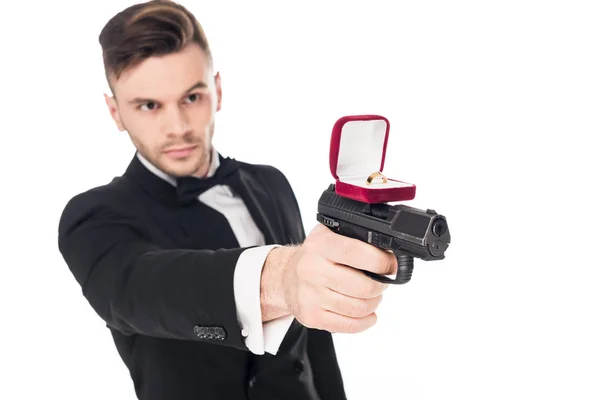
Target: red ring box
357,149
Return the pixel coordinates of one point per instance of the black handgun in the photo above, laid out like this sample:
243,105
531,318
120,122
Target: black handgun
407,231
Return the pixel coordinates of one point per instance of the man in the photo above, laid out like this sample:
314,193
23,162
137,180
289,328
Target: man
199,264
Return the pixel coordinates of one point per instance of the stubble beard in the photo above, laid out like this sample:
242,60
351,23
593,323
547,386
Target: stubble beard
197,164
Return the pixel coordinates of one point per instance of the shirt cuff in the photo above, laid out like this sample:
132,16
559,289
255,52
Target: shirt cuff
246,286
274,332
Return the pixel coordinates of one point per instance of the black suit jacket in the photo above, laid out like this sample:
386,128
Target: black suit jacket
161,276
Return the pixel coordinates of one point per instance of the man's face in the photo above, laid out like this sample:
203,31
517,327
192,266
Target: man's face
167,105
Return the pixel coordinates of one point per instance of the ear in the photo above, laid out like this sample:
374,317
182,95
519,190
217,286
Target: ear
218,89
111,103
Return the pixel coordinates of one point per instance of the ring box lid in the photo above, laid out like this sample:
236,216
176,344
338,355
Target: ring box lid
358,149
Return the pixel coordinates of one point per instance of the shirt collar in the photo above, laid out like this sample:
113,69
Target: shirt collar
214,165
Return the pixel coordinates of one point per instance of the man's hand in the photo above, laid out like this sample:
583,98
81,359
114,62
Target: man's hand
314,283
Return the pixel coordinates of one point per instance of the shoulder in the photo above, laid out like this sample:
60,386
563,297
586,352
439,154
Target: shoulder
274,182
266,172
96,201
278,187
112,192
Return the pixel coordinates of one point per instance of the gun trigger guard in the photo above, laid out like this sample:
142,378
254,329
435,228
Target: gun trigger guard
380,278
404,274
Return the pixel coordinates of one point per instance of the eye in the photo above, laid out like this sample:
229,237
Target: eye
194,97
150,105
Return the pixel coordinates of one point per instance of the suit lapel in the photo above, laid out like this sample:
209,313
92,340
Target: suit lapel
262,207
254,192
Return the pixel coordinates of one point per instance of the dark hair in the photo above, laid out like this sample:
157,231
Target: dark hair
143,30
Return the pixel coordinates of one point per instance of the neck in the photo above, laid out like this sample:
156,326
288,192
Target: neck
203,171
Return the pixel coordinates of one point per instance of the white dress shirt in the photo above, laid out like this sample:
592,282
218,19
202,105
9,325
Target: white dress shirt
259,337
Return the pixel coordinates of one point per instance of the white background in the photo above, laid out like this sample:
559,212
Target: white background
494,116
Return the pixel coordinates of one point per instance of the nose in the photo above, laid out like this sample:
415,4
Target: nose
176,122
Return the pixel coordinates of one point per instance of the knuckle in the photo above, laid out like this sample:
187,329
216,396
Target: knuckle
350,325
362,308
351,307
316,231
375,287
371,305
322,229
309,244
373,319
368,288
374,304
322,233
362,289
338,303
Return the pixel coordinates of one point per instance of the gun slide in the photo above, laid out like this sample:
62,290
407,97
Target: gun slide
406,231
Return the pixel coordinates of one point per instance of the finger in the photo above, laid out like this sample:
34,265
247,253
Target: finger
351,282
349,306
336,323
361,255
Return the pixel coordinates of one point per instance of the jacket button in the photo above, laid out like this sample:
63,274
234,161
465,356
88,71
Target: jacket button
299,366
220,333
210,332
200,331
251,382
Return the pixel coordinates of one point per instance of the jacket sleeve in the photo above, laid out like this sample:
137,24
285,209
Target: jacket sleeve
328,377
137,287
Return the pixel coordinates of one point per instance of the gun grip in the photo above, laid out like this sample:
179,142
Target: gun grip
404,274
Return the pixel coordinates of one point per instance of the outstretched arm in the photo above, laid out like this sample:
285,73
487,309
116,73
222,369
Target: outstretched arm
138,287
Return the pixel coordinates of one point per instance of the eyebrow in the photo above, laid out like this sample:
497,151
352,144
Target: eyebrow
197,85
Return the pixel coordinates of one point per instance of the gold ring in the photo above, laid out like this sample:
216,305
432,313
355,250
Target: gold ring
373,175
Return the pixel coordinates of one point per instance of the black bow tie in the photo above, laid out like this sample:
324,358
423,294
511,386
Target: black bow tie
190,187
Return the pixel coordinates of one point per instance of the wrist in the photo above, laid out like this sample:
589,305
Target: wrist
272,290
